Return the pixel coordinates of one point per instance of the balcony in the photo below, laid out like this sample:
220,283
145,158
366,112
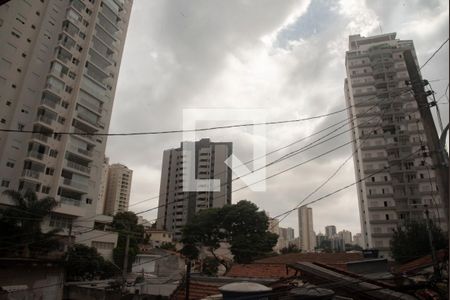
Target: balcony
35,154
31,173
45,120
70,201
78,167
41,137
75,184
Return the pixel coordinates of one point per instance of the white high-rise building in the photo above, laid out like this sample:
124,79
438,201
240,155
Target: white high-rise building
118,189
59,65
346,236
307,237
103,186
392,165
177,207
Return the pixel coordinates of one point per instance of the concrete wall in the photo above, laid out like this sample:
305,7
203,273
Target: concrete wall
32,279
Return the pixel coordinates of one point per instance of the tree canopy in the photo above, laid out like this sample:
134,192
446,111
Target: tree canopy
85,263
241,225
411,241
126,223
20,225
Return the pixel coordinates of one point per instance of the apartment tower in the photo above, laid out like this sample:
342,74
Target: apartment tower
59,65
177,204
118,189
393,169
307,237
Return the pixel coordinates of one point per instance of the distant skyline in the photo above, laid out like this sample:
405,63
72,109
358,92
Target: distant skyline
286,57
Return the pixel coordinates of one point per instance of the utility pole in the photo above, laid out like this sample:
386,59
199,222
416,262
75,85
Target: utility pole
433,251
125,262
188,279
437,152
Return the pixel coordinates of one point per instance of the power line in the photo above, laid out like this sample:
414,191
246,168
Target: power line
434,53
177,130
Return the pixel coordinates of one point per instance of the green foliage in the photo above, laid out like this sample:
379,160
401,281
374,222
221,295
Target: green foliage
325,245
210,266
126,223
20,225
290,249
241,225
410,241
168,246
85,263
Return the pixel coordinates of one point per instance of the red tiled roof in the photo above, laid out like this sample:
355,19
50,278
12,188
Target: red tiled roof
337,260
197,290
260,270
422,262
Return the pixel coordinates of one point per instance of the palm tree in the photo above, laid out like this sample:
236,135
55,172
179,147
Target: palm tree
22,231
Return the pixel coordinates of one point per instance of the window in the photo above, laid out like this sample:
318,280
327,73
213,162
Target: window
387,217
53,153
60,221
103,245
10,164
45,189
5,183
49,171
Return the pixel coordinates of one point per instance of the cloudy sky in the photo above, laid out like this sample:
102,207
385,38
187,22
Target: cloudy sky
286,57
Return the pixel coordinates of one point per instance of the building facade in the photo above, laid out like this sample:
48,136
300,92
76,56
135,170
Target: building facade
59,65
118,189
346,236
330,231
177,203
102,187
392,164
307,237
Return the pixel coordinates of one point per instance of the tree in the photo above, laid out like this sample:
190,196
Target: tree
85,263
126,223
168,246
241,225
411,241
20,225
351,247
210,266
290,249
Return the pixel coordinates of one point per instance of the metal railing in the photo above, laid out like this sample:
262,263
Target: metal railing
78,167
70,201
31,173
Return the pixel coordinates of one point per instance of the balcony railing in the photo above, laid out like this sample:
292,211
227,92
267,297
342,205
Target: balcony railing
83,134
49,103
40,136
75,184
70,201
31,173
36,154
46,120
78,167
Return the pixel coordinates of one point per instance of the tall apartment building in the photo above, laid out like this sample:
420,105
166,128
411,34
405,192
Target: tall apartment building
59,65
102,187
177,206
391,154
346,236
118,188
307,237
330,230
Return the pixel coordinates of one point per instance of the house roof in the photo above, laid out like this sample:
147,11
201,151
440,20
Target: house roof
421,263
260,270
337,260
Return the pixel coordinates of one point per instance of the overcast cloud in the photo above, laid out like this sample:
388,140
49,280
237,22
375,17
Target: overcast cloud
283,56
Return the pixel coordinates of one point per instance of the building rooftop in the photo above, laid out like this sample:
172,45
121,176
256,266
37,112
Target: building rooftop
260,270
337,260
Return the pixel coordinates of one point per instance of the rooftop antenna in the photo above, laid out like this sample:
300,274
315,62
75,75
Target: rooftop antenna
379,25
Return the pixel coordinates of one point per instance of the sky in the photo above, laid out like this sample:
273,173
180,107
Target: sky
286,58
